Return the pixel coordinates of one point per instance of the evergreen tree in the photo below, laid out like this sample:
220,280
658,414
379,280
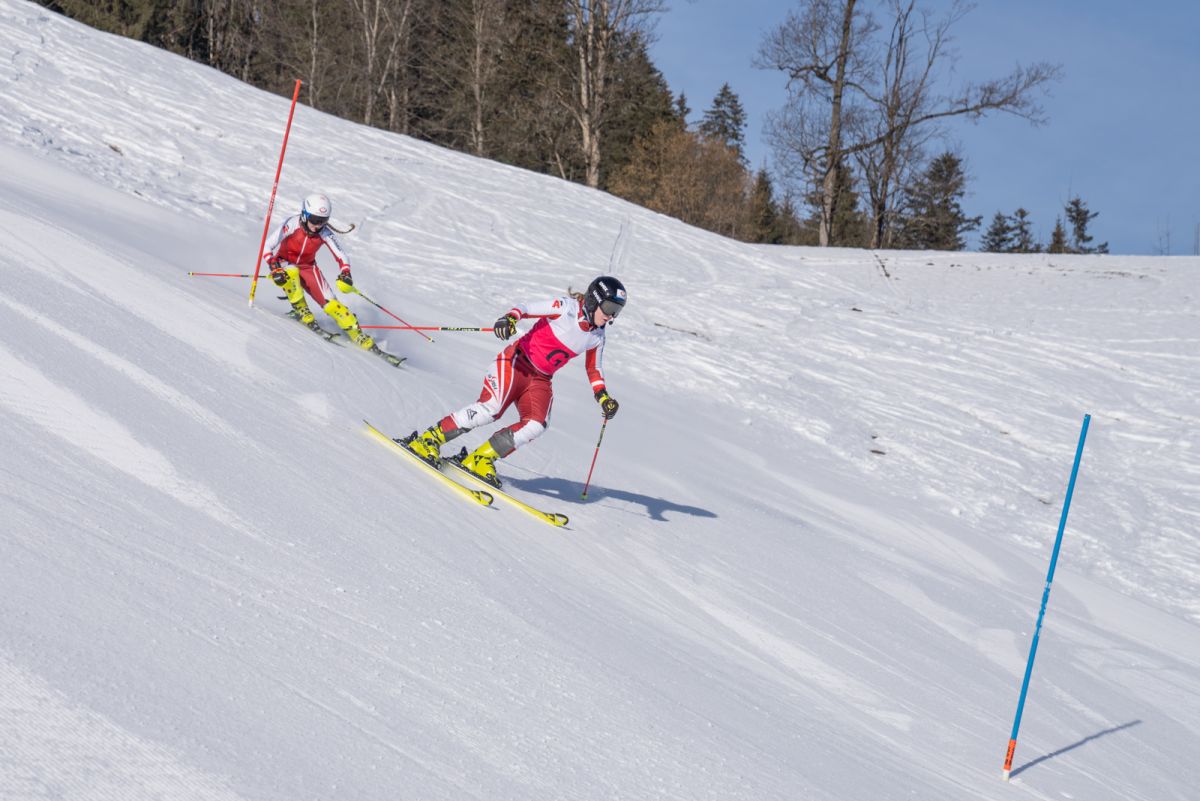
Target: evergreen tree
851,226
791,228
1079,217
638,99
933,218
1010,233
725,121
764,224
1058,239
1022,233
999,236
682,109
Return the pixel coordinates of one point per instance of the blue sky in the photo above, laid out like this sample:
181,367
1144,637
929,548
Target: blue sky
1123,121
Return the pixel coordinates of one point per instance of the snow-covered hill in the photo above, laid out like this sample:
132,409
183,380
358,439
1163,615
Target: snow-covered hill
808,566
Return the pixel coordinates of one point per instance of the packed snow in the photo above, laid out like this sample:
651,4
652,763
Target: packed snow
808,566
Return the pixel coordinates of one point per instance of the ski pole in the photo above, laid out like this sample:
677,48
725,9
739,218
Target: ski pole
225,275
425,328
407,327
587,483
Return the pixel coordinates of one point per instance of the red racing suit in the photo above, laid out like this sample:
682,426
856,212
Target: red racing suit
292,243
521,373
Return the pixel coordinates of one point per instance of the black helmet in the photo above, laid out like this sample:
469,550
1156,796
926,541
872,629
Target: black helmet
606,292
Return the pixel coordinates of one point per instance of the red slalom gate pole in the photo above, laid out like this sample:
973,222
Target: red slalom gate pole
587,483
274,188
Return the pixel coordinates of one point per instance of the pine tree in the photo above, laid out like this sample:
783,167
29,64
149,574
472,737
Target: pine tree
1058,239
933,218
1079,217
725,121
851,226
682,109
764,224
638,99
1022,233
999,236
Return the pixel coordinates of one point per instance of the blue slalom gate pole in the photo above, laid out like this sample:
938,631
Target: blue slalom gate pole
1062,524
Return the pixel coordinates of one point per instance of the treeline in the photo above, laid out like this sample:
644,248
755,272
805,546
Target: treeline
567,87
564,87
1011,233
932,218
527,82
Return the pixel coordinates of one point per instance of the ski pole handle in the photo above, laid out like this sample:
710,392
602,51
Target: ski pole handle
587,483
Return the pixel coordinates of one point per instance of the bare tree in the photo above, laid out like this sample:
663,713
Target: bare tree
473,38
824,51
903,88
486,27
594,26
385,27
845,100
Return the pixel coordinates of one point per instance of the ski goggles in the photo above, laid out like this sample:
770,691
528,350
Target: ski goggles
315,220
611,307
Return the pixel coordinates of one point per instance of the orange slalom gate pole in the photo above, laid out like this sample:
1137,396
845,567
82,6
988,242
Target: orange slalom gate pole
274,188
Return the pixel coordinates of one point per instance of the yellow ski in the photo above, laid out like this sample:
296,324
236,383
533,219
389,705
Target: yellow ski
480,497
553,518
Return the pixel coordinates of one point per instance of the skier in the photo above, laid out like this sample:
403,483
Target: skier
570,325
292,258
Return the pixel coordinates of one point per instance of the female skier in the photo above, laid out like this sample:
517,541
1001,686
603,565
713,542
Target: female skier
569,325
292,258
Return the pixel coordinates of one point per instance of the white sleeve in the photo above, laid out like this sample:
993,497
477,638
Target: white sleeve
335,247
543,308
276,240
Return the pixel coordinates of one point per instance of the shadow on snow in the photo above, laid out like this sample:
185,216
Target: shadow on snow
1073,746
570,491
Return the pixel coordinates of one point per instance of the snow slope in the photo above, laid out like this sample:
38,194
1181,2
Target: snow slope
808,567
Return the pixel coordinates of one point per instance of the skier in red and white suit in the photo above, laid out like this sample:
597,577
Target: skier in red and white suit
291,255
569,326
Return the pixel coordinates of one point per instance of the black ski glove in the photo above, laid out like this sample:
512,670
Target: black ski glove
505,327
279,275
608,405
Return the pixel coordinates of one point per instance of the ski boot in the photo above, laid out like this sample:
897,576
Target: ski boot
295,296
349,323
428,444
482,463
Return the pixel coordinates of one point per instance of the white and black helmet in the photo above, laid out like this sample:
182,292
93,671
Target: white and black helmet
316,209
606,292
